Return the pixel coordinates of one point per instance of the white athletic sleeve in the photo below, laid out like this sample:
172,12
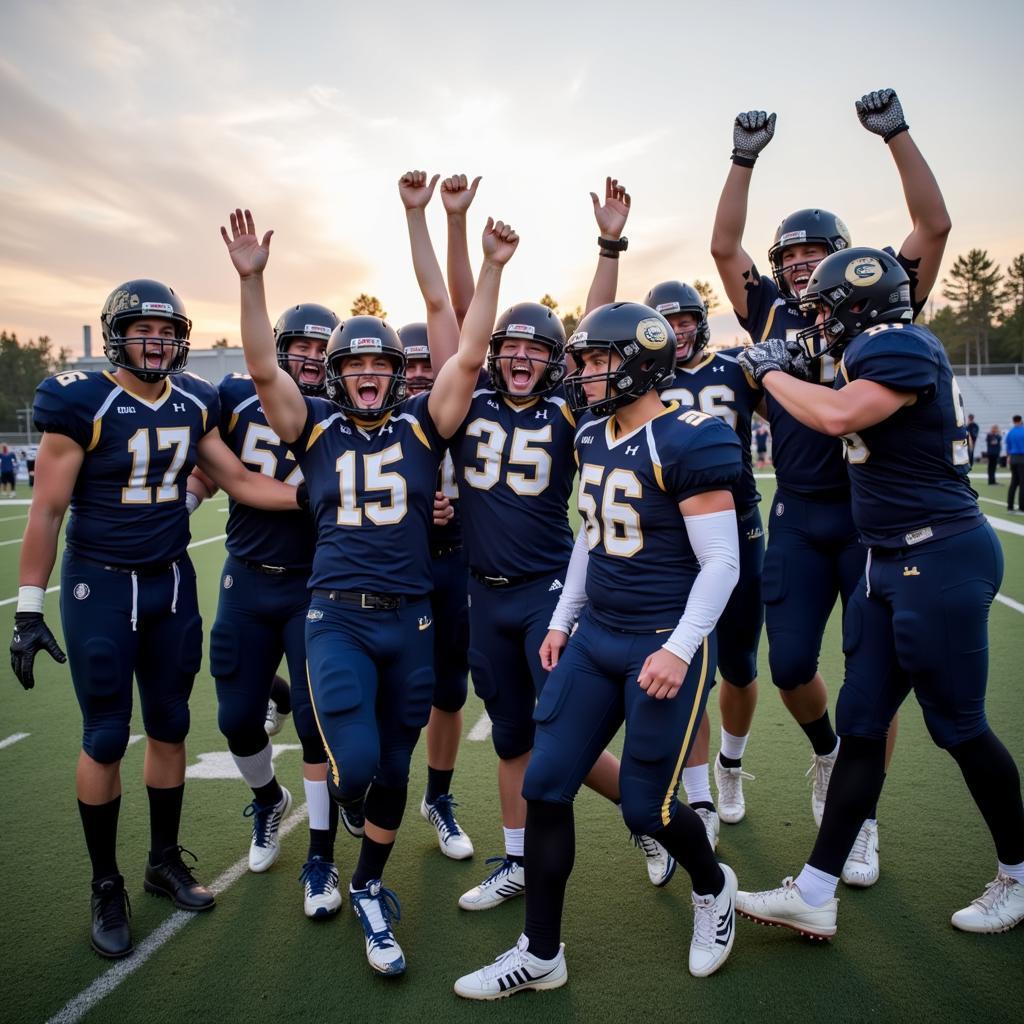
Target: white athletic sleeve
574,593
715,541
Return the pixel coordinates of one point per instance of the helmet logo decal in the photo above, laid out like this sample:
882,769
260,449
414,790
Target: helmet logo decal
863,271
667,307
792,237
520,331
651,333
366,345
316,329
155,307
578,338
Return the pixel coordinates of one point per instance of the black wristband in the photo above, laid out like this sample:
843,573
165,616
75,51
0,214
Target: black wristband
615,245
743,161
609,254
899,129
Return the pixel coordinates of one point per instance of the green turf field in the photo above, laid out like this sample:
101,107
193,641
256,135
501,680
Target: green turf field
256,958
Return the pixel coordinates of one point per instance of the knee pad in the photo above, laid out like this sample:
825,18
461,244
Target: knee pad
172,722
642,817
342,795
106,742
792,662
313,749
512,739
240,719
385,805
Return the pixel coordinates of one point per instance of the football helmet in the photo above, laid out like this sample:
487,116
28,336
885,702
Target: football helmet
642,339
858,288
419,372
145,299
676,297
307,320
806,227
529,321
359,336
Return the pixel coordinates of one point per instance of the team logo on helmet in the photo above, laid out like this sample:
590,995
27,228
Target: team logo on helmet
520,331
366,345
863,271
651,333
316,329
667,307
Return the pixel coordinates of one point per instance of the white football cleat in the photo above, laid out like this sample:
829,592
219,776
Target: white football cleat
861,869
453,841
729,782
661,865
714,927
274,722
505,882
998,909
376,907
321,895
787,908
712,826
821,769
265,847
514,971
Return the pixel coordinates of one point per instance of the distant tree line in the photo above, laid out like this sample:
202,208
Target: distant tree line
25,364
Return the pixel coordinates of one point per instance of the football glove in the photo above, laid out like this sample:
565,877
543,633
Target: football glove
881,113
751,132
302,496
775,354
32,635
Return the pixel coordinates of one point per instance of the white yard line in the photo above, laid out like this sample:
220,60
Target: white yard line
481,730
1010,603
14,738
4,543
78,1007
1006,526
10,519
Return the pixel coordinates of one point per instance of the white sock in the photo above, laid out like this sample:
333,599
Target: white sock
816,887
319,802
1015,871
257,769
733,746
697,783
514,841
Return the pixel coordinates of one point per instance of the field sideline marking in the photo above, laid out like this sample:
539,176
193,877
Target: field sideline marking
1006,526
481,730
78,1007
194,544
1010,603
13,738
10,519
4,543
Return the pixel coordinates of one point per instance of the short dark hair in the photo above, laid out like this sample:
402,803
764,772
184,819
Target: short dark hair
1016,419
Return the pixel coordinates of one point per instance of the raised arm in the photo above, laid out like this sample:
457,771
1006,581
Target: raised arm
751,132
457,196
442,327
279,395
453,387
881,113
611,222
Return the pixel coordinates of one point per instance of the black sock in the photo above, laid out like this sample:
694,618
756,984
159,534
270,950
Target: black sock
439,782
268,795
281,694
550,854
873,813
372,858
684,837
321,841
852,793
729,762
99,821
332,818
992,777
702,805
164,819
821,734
516,858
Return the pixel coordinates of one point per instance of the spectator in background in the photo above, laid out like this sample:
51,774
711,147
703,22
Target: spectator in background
972,436
761,436
1015,460
30,465
8,469
993,446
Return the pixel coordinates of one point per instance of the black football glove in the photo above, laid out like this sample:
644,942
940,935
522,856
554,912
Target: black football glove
751,132
302,496
881,113
776,354
32,635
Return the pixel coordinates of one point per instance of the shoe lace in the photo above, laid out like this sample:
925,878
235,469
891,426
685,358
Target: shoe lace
705,927
262,819
114,907
379,911
509,961
859,853
505,866
996,892
177,868
650,846
822,769
443,816
730,782
318,875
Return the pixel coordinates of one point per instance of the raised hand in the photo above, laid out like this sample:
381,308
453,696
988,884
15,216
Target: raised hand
611,218
775,354
751,132
456,194
414,189
882,113
248,254
500,241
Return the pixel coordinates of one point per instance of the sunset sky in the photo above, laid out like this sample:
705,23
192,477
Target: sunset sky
127,136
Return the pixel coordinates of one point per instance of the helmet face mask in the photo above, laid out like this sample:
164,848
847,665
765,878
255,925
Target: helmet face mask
671,298
524,324
145,300
804,228
312,324
362,336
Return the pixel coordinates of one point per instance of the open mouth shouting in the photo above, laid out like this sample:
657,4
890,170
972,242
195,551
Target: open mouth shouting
521,376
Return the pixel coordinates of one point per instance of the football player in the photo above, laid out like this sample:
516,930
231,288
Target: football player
515,471
813,555
118,447
261,616
918,619
651,571
370,459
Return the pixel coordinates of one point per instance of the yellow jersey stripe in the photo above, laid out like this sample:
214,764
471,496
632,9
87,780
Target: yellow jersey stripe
666,817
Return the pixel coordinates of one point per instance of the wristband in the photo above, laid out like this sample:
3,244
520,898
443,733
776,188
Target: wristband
742,160
608,255
30,599
192,502
615,245
899,129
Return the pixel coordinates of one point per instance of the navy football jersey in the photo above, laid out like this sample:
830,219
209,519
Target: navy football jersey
372,494
641,564
128,504
909,472
718,386
272,538
515,471
449,535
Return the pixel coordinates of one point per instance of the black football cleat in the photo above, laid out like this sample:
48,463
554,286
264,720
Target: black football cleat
171,878
111,934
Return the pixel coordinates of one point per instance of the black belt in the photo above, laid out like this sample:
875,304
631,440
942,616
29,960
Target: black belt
150,569
440,550
507,581
373,602
275,570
